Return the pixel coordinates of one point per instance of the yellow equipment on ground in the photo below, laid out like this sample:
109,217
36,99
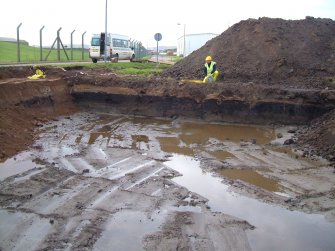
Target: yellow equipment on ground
191,81
39,74
211,77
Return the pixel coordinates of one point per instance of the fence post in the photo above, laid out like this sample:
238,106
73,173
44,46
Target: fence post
18,43
140,46
72,44
41,53
58,44
82,46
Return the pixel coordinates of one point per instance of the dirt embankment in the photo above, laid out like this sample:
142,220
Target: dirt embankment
319,136
297,53
25,105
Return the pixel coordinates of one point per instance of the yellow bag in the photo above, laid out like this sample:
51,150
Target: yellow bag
39,74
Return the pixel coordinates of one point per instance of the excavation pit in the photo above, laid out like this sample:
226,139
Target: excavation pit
163,164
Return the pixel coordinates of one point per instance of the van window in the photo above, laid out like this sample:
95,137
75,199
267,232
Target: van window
120,43
125,43
95,41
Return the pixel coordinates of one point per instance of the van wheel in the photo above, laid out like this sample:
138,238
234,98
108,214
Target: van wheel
132,58
116,59
94,60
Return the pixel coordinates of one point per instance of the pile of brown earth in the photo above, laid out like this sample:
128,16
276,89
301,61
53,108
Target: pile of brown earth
291,53
288,53
319,137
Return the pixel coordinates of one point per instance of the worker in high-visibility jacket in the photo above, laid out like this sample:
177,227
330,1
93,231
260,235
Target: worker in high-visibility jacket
38,73
210,71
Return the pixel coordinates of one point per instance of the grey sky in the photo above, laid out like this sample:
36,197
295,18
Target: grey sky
142,19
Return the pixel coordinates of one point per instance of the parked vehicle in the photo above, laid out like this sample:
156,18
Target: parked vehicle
118,47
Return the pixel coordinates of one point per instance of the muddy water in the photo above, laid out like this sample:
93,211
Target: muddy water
251,177
276,228
19,164
210,156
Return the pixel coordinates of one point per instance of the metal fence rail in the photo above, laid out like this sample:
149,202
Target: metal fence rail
57,52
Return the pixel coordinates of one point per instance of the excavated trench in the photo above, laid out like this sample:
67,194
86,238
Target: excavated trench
167,171
236,111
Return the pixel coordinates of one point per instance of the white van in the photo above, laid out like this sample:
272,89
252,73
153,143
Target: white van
118,47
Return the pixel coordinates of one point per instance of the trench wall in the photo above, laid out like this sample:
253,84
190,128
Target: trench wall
211,110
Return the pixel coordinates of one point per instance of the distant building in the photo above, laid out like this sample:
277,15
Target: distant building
193,42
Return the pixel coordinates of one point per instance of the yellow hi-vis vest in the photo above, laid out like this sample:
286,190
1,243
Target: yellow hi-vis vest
210,68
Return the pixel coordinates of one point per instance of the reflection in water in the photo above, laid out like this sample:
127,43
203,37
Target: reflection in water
140,142
126,232
199,133
105,132
22,162
276,228
251,177
172,145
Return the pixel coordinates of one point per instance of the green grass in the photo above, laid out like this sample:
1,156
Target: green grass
143,68
131,68
30,54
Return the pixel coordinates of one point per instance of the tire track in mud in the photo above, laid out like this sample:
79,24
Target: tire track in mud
76,211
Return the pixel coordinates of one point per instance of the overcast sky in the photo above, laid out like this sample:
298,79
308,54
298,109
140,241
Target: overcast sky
141,19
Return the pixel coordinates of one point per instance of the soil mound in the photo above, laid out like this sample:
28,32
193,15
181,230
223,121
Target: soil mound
320,134
271,51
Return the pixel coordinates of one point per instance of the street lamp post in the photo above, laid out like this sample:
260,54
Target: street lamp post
184,39
105,56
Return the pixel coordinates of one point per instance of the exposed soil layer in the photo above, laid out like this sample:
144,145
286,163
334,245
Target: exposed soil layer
25,104
298,53
319,137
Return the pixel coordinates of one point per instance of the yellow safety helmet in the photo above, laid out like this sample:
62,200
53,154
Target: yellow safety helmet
208,58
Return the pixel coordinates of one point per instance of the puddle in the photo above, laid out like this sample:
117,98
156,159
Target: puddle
140,142
276,228
173,145
18,164
222,155
23,231
126,231
83,147
252,177
106,119
199,133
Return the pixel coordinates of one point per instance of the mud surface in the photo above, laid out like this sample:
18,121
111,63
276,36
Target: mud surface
93,180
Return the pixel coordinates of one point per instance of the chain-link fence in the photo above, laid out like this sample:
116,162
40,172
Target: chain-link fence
19,51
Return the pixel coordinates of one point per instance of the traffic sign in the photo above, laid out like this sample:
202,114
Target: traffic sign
158,37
